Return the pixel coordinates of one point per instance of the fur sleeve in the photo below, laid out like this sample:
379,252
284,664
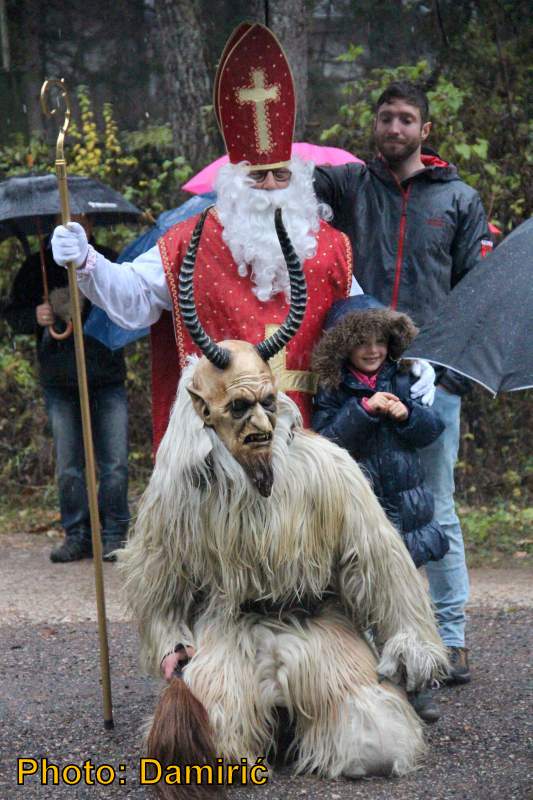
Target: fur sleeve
159,599
157,586
380,586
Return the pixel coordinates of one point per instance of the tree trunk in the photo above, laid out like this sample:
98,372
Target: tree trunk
187,80
32,12
288,20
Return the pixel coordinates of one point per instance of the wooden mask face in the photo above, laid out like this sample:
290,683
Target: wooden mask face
239,404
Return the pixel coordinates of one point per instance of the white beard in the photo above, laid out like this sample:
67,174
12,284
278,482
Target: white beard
247,216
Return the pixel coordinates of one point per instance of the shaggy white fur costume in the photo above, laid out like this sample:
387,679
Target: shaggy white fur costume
204,532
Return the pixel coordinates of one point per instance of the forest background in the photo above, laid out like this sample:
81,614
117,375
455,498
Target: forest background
141,73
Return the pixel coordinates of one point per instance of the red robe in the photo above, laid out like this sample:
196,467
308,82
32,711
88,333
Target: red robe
228,309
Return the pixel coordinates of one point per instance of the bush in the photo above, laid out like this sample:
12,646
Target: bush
495,460
138,164
495,533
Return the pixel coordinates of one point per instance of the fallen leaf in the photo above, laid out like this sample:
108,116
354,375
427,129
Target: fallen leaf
46,633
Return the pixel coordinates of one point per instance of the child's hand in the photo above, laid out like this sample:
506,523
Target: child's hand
380,402
398,411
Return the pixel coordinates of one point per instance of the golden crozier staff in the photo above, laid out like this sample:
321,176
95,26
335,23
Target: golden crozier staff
90,472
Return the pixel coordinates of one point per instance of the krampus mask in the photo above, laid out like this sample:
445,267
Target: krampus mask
233,389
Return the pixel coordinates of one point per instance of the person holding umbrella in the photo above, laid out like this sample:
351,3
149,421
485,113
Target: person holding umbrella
39,304
416,230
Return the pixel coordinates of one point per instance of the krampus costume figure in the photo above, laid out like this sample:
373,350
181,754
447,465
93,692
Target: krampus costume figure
261,545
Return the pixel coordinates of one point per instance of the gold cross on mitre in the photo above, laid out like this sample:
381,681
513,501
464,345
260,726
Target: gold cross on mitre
290,380
259,94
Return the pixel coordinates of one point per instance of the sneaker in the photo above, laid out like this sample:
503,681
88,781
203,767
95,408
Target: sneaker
459,671
425,705
110,546
73,548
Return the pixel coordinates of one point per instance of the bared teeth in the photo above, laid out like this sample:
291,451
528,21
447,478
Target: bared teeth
257,437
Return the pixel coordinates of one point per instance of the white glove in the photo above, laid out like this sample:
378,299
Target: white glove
70,245
424,388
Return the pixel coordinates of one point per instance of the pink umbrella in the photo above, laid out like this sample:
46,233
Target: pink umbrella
204,180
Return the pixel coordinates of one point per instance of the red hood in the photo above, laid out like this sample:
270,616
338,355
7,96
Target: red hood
433,161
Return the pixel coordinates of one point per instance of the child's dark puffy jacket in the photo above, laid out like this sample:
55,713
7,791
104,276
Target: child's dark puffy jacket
386,450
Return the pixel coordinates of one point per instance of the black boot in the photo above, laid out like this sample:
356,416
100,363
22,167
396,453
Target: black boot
110,546
73,548
425,705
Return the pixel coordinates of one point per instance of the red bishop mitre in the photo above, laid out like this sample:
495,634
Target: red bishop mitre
254,98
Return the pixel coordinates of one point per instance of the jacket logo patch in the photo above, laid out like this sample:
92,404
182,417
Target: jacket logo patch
486,247
436,222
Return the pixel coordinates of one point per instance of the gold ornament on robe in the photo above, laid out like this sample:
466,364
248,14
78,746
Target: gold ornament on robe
290,380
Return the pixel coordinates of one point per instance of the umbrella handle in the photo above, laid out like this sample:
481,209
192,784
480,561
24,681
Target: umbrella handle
63,335
51,330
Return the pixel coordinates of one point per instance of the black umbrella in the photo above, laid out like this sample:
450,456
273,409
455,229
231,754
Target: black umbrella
29,204
484,329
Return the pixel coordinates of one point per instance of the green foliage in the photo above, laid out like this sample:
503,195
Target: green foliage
494,459
26,451
19,155
16,370
139,164
494,534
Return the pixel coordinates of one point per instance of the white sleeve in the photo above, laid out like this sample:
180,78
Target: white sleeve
355,288
132,294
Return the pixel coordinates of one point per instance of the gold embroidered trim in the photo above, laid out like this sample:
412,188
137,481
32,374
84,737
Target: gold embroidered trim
290,380
349,260
276,165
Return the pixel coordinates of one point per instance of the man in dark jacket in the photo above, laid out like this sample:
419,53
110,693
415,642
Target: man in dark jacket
27,313
416,229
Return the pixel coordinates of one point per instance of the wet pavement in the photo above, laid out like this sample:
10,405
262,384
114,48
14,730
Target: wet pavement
50,698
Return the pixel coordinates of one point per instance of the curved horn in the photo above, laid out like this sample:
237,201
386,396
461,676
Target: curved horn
268,348
218,356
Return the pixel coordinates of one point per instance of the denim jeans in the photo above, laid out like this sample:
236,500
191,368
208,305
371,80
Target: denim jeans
109,417
448,578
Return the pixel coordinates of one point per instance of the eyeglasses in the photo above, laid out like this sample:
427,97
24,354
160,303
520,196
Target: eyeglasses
280,175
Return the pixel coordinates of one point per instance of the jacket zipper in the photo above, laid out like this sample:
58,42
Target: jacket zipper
399,254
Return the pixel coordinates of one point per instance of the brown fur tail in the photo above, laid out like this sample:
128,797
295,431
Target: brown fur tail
181,735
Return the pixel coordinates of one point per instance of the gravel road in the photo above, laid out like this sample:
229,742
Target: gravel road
50,699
